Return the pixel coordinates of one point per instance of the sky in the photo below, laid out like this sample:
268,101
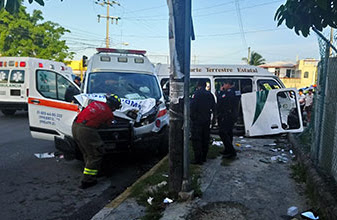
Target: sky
220,39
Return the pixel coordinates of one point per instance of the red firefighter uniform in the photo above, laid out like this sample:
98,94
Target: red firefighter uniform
95,115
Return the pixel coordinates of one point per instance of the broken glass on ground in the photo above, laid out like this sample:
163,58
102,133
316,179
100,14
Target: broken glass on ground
292,211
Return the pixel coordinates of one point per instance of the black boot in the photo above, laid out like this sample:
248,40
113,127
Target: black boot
85,185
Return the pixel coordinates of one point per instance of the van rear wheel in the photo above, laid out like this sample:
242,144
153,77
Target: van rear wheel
8,112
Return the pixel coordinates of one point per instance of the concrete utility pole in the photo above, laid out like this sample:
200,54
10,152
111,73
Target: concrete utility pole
331,40
248,58
180,33
107,3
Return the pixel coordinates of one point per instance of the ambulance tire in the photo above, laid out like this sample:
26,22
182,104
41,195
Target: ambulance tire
8,112
163,147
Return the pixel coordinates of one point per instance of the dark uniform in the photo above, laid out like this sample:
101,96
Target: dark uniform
202,105
227,110
71,91
85,133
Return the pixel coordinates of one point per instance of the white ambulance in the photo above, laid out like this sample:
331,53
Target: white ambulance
15,75
266,106
141,122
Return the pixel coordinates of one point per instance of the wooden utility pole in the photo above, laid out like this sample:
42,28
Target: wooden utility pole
107,3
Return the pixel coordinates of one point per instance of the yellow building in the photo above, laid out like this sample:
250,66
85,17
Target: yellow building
307,69
299,75
76,66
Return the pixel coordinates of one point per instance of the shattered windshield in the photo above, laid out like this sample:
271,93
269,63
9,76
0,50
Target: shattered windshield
133,86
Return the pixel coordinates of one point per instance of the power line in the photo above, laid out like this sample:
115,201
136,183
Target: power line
243,38
203,15
146,9
210,35
243,8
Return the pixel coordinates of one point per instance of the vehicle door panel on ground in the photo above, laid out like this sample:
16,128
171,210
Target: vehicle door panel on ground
270,112
49,114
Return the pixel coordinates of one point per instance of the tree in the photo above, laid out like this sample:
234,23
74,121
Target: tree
255,59
12,6
23,34
302,15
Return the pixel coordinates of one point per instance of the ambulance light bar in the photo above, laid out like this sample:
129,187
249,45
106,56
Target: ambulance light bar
22,64
12,63
112,50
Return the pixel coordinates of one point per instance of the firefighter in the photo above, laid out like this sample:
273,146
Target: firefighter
85,132
202,106
227,109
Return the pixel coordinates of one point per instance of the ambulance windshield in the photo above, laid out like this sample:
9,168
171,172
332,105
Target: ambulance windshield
132,86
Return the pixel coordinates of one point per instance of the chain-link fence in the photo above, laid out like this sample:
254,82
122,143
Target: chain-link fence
323,127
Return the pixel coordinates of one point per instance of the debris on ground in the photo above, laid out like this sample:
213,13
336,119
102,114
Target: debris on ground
264,161
167,200
44,155
292,211
217,143
149,200
280,158
309,215
155,188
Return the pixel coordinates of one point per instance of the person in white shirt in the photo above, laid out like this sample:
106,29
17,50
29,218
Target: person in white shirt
309,98
301,100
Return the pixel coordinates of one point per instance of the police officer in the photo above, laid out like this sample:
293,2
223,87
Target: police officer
202,105
85,132
71,91
227,109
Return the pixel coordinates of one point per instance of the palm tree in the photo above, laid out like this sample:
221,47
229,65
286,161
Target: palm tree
255,59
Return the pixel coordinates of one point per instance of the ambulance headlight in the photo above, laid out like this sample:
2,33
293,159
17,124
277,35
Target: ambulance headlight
148,118
132,114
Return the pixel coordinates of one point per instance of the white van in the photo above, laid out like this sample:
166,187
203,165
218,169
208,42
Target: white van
129,74
15,74
247,79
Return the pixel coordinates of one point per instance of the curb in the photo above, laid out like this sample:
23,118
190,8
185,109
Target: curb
103,213
324,199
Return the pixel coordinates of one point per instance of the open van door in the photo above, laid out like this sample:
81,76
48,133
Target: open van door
50,114
271,112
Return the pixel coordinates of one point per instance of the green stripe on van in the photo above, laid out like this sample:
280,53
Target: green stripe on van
261,98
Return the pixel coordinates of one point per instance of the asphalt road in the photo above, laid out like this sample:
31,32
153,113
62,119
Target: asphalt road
33,188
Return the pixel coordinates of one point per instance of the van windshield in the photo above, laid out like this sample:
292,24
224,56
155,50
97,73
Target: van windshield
133,86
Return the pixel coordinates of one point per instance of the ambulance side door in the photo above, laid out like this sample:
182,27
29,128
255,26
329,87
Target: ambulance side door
50,114
271,112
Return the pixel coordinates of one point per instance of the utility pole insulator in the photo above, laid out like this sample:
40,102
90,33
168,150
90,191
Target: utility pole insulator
107,3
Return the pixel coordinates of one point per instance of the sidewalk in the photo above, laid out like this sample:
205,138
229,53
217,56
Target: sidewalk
256,185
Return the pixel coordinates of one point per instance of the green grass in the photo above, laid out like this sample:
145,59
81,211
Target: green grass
140,192
305,139
299,172
214,152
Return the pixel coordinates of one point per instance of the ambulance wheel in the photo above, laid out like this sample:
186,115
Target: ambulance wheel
8,112
163,147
